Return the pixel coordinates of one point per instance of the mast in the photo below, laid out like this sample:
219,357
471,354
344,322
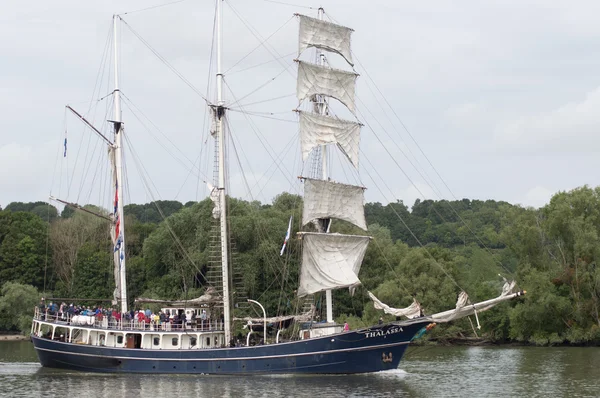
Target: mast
118,167
220,116
322,108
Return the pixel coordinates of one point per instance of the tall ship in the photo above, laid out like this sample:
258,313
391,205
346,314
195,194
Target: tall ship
202,340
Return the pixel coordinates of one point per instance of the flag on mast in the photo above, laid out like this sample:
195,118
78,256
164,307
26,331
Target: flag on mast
287,236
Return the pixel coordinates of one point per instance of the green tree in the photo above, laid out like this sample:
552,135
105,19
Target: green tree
22,248
17,302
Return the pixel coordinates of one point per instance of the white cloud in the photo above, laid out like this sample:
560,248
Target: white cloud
537,196
469,120
573,126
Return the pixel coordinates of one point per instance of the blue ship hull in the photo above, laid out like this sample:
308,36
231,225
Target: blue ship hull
367,350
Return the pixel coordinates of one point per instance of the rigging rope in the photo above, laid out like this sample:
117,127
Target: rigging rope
193,167
432,166
164,61
261,64
260,45
151,7
406,225
290,4
260,137
205,131
257,35
261,86
267,100
143,172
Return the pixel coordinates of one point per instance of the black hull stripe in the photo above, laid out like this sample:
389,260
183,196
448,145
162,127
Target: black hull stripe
227,359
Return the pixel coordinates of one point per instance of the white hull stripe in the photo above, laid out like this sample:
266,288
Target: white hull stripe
229,359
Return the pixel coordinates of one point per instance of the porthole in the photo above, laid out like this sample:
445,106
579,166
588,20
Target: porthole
174,341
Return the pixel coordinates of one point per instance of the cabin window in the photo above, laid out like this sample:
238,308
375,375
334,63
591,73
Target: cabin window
174,341
193,341
156,341
208,341
120,339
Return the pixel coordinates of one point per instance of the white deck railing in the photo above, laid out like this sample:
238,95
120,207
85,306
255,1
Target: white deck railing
106,322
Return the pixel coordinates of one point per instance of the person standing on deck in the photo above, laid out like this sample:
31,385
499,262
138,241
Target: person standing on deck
203,318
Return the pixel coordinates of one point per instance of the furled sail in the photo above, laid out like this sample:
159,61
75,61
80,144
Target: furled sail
326,199
113,233
412,311
320,80
214,196
330,261
326,36
462,300
210,296
464,308
318,130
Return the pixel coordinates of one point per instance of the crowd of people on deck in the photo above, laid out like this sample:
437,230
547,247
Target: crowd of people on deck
166,320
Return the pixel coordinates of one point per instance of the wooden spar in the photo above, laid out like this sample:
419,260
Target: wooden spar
78,207
73,299
84,120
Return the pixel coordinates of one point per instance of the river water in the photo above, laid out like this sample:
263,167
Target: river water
424,372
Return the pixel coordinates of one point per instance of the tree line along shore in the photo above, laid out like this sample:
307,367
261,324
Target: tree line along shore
427,251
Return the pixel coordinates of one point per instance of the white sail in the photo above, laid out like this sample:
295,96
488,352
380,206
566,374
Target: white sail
326,36
318,130
330,261
326,199
320,80
412,311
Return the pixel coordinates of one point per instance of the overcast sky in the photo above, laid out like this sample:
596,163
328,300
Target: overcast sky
502,96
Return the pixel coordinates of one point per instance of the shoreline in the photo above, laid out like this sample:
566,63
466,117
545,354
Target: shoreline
484,342
13,337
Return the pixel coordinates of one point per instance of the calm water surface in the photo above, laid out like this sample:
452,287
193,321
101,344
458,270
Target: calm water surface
424,372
